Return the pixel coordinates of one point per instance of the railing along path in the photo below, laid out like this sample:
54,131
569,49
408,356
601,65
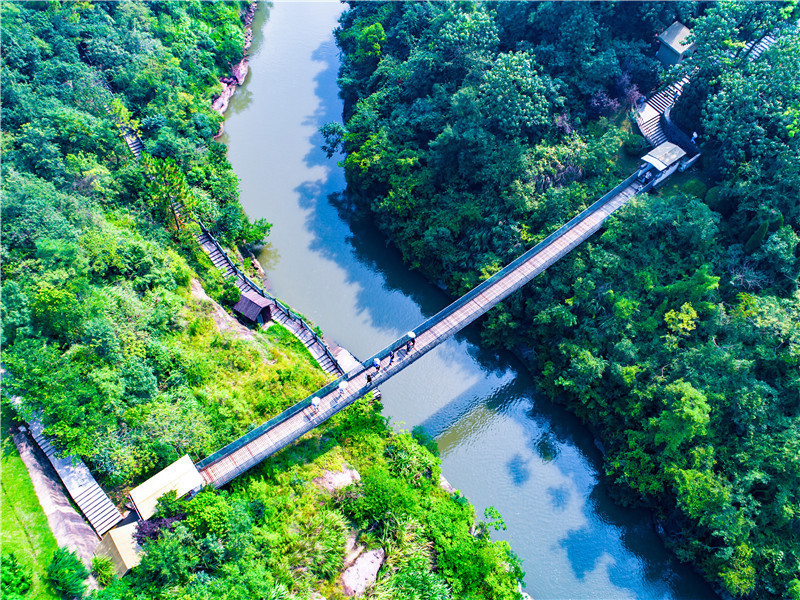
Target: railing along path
281,313
244,453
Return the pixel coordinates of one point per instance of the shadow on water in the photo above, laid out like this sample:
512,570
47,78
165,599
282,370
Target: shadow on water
633,529
352,242
325,87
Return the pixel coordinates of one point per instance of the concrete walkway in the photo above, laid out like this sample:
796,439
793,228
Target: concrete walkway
67,525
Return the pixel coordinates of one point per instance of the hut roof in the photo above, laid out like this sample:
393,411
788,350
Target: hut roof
664,155
675,36
250,305
181,476
120,546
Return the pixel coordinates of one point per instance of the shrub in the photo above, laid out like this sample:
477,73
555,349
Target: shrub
103,569
169,505
696,188
230,294
319,546
16,578
67,574
378,496
601,104
411,461
153,528
634,144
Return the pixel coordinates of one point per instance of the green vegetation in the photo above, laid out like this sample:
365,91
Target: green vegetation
103,570
67,574
475,129
27,540
17,580
101,330
278,532
107,334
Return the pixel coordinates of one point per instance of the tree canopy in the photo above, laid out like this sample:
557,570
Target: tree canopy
483,127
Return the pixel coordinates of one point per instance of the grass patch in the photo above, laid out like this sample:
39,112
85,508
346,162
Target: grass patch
25,531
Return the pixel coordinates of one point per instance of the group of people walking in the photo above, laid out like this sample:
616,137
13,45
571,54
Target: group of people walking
376,362
411,339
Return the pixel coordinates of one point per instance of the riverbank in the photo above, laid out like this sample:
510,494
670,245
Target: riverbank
502,444
630,328
238,71
156,369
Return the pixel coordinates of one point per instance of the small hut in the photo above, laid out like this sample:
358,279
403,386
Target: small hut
674,46
120,546
181,477
253,307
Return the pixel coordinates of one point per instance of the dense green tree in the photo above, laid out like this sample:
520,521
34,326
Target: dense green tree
481,129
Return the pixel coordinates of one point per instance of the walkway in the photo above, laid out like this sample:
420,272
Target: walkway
648,117
244,453
67,525
81,485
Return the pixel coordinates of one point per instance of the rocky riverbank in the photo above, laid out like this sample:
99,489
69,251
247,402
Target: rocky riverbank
238,71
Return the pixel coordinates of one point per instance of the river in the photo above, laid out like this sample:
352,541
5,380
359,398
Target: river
502,443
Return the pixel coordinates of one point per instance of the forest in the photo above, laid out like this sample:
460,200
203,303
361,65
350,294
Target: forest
112,337
473,130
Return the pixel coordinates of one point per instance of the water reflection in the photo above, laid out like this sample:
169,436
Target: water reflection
502,444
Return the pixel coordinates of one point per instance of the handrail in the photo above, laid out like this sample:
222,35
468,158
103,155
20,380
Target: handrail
286,310
441,315
487,283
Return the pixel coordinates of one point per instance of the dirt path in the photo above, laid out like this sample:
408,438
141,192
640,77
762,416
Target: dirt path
67,525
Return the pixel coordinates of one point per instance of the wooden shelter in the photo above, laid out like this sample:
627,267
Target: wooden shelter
181,477
120,546
254,307
674,46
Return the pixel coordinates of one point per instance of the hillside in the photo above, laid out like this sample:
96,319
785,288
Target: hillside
113,332
474,130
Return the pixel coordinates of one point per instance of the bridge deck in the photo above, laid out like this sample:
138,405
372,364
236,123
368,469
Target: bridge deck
242,454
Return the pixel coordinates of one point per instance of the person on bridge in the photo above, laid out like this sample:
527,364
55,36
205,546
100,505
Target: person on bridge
342,389
391,358
377,364
412,337
315,405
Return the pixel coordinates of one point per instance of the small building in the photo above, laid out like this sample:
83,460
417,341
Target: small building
660,163
120,546
674,46
254,307
181,477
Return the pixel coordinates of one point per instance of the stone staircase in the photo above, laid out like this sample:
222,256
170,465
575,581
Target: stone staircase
309,339
755,49
648,116
279,312
134,143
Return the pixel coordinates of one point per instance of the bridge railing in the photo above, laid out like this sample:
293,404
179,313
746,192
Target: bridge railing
280,305
509,268
441,315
